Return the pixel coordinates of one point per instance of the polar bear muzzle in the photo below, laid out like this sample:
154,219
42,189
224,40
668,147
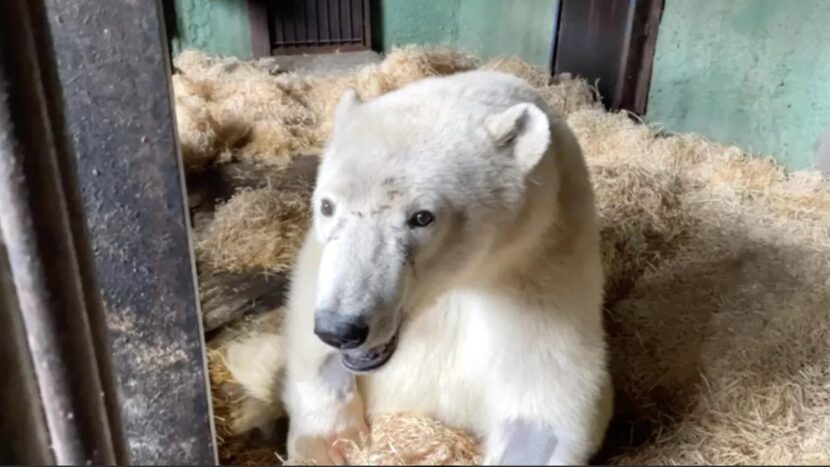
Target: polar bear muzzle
361,361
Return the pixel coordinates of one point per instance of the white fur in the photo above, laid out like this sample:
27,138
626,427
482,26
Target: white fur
255,363
500,314
251,358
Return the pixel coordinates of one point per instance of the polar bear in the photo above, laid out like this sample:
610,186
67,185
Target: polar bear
452,269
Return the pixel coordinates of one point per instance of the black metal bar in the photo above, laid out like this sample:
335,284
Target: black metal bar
334,22
289,20
313,26
49,302
360,16
113,74
324,22
346,20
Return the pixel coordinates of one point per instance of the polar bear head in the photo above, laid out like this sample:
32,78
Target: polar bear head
417,192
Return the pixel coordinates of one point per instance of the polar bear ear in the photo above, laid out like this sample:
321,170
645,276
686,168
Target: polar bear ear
348,101
524,130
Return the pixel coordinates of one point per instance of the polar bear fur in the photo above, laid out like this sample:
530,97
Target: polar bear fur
495,305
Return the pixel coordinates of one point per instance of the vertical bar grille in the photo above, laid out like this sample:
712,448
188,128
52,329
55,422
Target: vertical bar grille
317,26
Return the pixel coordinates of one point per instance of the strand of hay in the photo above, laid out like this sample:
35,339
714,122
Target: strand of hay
718,264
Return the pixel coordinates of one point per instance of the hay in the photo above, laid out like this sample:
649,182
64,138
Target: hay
269,118
718,263
719,306
408,439
228,108
255,229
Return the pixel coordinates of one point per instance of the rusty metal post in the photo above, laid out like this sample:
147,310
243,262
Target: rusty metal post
113,73
98,303
63,410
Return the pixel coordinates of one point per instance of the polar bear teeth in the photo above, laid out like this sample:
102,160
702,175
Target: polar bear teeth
369,359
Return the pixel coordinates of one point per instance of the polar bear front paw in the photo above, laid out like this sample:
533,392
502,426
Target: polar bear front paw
326,438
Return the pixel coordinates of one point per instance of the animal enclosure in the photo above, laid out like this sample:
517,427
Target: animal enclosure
178,196
691,229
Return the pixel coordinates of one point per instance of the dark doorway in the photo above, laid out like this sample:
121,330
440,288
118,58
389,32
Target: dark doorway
318,26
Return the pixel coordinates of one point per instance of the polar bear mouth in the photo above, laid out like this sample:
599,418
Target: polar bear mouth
361,361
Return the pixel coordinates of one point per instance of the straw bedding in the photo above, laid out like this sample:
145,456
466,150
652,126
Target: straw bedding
718,264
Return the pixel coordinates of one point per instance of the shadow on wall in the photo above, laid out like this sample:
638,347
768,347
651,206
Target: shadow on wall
823,153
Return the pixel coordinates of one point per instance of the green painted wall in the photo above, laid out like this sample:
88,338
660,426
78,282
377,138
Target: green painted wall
489,28
755,73
215,26
522,28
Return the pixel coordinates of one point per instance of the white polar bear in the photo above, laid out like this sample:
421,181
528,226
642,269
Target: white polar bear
452,269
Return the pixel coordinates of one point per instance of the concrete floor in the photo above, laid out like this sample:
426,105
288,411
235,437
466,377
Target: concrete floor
325,64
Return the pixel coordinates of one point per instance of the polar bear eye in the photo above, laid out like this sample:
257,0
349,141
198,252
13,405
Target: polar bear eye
421,219
326,208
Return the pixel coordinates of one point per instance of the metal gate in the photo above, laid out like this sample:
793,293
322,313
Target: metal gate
319,26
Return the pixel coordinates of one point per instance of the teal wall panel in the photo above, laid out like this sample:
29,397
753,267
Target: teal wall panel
755,73
489,28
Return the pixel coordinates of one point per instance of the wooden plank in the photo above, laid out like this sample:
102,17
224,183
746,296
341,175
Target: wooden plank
639,65
317,49
227,296
260,34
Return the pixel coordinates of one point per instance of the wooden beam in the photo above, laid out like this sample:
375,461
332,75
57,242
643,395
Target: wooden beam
260,34
612,43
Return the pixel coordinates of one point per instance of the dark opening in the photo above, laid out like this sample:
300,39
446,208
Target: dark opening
319,26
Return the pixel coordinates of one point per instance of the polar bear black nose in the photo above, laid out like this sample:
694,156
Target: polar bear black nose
340,331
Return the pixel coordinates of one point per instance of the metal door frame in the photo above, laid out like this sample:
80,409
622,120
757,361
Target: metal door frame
98,284
611,42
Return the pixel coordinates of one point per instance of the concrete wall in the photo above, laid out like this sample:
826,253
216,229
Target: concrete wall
522,28
217,26
755,73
